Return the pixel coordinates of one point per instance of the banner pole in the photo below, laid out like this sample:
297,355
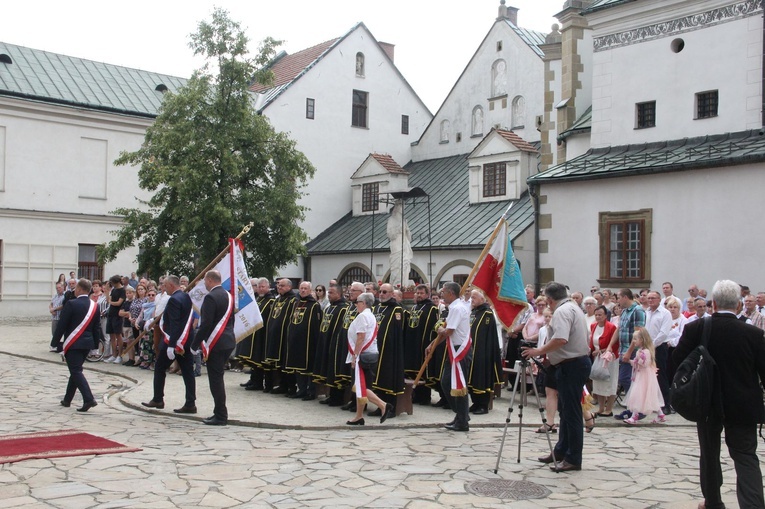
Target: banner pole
218,258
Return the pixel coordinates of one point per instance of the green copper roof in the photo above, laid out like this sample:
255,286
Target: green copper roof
60,79
598,5
455,223
659,157
581,125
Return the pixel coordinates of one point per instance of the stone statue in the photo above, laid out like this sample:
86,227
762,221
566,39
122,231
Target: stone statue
519,112
478,121
400,245
500,78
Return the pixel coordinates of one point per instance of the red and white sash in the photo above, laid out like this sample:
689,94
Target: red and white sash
219,328
459,386
181,343
360,383
83,325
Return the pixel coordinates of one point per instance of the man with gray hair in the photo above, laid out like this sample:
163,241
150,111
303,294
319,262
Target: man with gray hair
738,350
568,351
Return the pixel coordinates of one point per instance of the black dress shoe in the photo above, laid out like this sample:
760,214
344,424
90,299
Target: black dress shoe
376,413
334,403
279,390
298,395
253,388
360,422
347,406
214,421
267,389
456,427
246,384
65,403
87,406
324,401
309,397
565,466
154,404
549,458
441,403
388,414
480,410
185,409
473,407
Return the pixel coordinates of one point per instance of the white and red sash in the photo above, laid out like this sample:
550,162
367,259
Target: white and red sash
459,385
219,328
360,383
82,327
181,343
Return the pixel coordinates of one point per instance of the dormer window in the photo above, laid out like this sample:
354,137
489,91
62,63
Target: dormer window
494,179
161,88
360,64
370,197
5,59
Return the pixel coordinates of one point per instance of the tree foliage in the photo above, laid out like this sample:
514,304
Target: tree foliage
213,165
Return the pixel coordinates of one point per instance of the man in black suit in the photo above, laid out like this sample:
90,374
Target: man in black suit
216,337
80,327
739,352
176,327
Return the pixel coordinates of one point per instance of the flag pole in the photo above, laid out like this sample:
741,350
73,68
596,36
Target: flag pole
485,249
220,256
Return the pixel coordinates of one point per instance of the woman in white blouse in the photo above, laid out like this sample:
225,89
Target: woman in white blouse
676,330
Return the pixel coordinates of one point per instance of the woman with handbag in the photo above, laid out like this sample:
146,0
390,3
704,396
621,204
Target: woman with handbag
604,348
363,356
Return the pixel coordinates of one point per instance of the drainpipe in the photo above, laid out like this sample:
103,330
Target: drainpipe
535,197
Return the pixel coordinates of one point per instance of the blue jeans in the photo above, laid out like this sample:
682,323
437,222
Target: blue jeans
571,376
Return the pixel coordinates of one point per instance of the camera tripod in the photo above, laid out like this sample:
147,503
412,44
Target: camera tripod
523,370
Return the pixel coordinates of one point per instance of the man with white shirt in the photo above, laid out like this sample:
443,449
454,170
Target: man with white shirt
700,306
667,289
750,311
658,323
760,299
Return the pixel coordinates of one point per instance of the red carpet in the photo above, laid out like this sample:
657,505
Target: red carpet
55,444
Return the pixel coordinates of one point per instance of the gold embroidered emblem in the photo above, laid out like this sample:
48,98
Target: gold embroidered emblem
297,316
414,318
326,321
278,305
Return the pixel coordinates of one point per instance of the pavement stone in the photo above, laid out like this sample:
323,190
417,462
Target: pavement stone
283,453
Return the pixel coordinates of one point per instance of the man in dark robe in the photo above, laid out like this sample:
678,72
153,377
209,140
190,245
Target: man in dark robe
252,351
331,324
486,367
305,323
276,339
418,334
389,378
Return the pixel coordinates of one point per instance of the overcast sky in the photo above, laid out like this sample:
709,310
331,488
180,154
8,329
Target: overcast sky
434,40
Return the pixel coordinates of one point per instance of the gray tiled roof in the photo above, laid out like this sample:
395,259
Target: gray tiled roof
530,37
598,5
582,124
50,77
455,223
658,157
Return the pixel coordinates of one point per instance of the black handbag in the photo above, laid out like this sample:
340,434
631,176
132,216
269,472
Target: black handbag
368,360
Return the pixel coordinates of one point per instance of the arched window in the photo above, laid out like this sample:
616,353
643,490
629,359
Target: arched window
519,112
355,273
360,64
477,121
445,128
498,78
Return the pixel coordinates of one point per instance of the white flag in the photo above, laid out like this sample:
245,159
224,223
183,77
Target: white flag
247,318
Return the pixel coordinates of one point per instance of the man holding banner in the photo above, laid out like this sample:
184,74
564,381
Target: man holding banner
216,338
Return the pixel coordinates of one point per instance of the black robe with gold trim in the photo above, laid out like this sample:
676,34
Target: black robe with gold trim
339,374
486,367
252,350
305,323
438,359
331,322
278,327
389,378
418,334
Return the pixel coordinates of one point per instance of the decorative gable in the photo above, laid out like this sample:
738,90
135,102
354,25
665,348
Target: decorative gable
499,167
377,176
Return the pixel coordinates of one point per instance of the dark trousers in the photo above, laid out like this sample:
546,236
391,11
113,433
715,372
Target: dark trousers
741,440
458,404
216,363
662,355
625,375
186,363
570,377
74,361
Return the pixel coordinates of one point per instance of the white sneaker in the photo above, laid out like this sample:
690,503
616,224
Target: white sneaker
117,360
110,359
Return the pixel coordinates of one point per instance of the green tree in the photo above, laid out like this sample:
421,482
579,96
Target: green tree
214,165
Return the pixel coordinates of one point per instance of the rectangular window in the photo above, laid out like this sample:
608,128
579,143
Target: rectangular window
494,180
625,248
309,108
370,197
706,104
646,114
404,124
87,263
359,113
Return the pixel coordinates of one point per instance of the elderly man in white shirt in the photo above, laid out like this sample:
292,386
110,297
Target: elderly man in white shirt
658,323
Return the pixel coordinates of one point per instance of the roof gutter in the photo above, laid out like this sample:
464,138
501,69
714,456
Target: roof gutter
61,102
